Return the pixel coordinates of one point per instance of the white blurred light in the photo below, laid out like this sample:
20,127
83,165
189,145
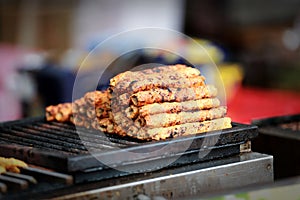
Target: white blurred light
291,40
33,60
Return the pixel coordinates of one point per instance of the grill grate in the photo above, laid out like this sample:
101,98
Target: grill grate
58,146
60,137
30,180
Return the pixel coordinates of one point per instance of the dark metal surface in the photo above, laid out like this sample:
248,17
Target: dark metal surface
14,183
3,188
98,174
280,137
48,176
58,146
173,182
276,120
31,180
193,181
281,126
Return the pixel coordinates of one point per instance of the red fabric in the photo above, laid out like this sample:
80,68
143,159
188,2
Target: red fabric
253,103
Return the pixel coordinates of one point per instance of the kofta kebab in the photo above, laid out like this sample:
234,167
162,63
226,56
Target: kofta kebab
150,104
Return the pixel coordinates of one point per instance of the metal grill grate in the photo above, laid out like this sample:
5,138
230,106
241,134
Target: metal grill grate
58,146
32,180
59,136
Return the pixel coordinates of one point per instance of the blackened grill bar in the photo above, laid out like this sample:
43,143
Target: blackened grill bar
30,180
55,141
63,148
68,130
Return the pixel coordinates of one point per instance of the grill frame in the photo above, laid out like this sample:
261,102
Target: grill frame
228,144
282,143
271,126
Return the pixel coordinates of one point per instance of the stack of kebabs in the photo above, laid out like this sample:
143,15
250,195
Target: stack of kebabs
150,104
165,102
91,111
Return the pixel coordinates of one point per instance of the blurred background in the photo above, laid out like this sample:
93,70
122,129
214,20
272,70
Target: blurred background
254,43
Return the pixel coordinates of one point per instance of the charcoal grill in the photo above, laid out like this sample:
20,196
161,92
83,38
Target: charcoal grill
57,146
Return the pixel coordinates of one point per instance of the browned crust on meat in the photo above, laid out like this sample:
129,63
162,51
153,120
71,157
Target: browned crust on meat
139,128
151,104
171,119
61,112
158,95
162,81
130,76
51,112
190,128
97,98
162,133
171,107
